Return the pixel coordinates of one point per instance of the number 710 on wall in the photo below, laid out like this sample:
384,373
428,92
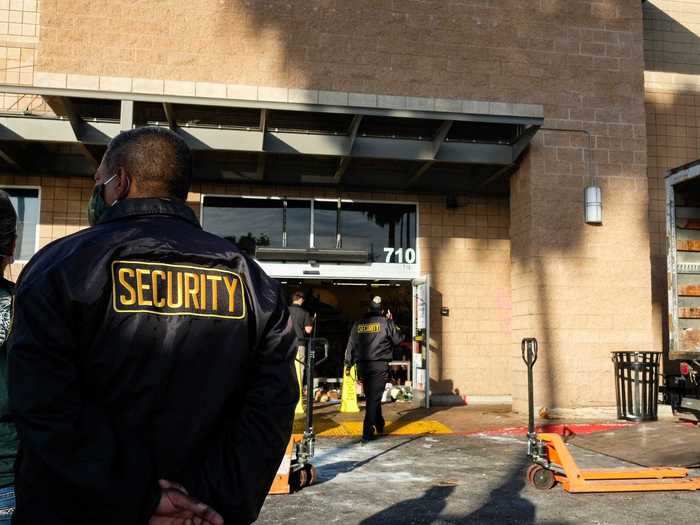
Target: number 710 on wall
400,255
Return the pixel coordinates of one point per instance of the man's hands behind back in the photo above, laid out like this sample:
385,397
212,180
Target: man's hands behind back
176,507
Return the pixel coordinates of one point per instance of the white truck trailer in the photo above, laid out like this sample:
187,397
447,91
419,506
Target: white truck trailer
682,383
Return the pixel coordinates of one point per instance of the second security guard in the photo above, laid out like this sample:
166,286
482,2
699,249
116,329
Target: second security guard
150,361
371,345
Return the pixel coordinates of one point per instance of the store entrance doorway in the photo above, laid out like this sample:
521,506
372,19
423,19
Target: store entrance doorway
339,303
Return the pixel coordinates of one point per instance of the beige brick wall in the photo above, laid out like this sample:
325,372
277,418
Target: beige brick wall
466,250
582,290
19,36
62,206
19,19
506,50
467,253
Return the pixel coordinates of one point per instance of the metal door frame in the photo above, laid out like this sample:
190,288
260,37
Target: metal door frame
423,280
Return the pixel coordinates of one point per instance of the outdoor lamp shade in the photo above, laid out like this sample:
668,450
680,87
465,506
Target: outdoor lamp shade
593,199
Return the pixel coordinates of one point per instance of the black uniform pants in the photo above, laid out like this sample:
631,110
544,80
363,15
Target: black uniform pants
374,375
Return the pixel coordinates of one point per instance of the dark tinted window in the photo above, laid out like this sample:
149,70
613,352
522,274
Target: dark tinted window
298,223
325,219
251,222
26,203
246,222
386,231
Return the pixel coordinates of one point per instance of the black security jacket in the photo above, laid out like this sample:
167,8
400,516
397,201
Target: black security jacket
372,338
145,348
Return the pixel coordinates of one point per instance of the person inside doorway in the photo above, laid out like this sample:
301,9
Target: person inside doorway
371,346
301,321
398,372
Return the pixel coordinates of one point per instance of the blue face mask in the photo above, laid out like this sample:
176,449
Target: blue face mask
97,205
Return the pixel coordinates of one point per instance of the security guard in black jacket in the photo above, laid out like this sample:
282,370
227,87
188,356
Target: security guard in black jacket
371,344
148,359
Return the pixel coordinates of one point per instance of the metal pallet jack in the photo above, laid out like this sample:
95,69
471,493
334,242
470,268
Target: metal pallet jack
296,470
553,463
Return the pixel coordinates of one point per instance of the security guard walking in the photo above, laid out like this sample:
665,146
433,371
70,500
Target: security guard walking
371,344
150,362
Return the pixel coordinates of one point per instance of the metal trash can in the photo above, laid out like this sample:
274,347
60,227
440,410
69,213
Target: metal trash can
637,385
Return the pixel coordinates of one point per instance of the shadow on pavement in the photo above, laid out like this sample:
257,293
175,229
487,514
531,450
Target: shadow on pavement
505,505
427,508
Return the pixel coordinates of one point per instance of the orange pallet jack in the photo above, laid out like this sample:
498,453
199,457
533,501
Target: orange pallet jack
296,471
552,462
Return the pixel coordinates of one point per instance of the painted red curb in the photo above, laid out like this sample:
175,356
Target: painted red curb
564,429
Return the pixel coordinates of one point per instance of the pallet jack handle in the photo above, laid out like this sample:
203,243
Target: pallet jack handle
311,363
301,472
528,348
305,448
552,461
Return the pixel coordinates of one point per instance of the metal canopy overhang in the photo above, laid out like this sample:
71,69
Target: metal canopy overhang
366,147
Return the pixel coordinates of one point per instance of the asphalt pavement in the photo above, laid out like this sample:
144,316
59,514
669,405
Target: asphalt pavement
452,479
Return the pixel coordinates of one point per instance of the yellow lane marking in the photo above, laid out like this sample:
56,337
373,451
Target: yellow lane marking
330,428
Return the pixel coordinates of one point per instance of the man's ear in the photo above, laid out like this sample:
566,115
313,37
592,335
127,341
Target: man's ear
123,183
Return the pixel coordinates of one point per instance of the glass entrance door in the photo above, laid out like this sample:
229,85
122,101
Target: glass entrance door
421,340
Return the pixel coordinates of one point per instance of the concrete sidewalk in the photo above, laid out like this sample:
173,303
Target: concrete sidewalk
453,479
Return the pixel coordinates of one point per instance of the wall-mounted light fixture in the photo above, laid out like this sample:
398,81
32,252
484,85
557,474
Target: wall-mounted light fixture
593,202
592,194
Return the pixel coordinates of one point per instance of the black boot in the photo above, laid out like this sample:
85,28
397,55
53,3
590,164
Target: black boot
366,438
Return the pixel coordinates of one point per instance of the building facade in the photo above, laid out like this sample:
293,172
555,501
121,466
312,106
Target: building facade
489,117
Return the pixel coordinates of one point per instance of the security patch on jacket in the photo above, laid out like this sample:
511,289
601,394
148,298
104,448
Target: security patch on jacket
174,289
368,328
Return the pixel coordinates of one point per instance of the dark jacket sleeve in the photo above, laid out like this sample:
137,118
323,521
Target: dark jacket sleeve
392,333
242,459
308,321
351,348
68,445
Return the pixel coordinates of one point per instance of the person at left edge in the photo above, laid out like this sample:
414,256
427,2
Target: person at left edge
8,433
150,362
